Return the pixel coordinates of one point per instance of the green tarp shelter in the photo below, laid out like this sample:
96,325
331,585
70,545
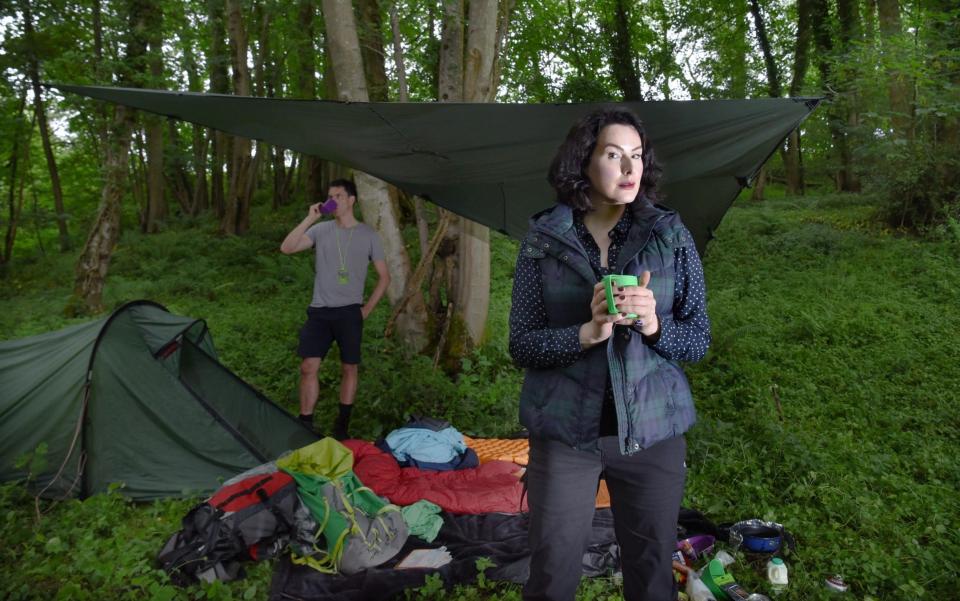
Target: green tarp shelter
488,162
136,398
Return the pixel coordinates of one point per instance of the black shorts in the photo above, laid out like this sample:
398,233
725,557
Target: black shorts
328,324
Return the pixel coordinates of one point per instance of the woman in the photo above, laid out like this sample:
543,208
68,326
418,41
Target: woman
603,394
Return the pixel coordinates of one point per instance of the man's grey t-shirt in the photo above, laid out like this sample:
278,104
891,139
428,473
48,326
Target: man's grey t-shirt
358,245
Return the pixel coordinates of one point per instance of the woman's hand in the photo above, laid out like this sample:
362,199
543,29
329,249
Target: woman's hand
640,301
600,327
629,299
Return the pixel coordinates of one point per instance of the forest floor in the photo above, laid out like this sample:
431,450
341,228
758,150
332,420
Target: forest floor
828,402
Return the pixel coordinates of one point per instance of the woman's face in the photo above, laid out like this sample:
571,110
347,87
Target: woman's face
616,166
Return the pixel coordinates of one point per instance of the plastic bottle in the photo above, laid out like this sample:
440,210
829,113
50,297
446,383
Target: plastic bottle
697,590
724,558
777,574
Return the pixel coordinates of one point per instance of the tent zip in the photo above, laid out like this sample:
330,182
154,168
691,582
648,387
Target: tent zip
219,418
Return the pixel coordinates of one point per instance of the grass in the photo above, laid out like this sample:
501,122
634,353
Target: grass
828,401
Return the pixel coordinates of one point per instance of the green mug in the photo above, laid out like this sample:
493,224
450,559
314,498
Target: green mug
616,280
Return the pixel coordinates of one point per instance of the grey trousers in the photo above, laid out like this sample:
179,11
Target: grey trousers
646,490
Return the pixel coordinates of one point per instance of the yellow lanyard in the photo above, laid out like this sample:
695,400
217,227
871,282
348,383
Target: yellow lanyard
342,273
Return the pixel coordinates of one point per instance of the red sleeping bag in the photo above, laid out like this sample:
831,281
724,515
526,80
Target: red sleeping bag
493,487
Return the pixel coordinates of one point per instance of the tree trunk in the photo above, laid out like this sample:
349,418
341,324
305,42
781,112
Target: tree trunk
773,76
836,121
199,143
374,198
370,26
897,85
849,19
500,46
138,171
472,292
450,74
621,53
369,30
306,89
100,75
156,201
263,82
759,184
870,20
398,53
261,167
279,176
943,39
38,107
236,213
449,89
793,165
481,55
736,52
94,261
773,84
327,170
176,173
219,84
153,126
14,201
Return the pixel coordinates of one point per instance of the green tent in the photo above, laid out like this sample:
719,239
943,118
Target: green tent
488,162
136,398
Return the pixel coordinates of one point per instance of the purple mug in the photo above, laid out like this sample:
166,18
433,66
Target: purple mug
329,206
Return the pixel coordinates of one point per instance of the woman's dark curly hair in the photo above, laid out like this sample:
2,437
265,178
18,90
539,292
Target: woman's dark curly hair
568,171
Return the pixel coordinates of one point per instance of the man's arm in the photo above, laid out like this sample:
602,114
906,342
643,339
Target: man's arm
382,282
297,239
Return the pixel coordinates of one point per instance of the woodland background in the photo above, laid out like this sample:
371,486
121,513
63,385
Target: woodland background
828,400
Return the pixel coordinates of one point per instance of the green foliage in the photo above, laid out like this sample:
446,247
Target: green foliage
35,461
824,396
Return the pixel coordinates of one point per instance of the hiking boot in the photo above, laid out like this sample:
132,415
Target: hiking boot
340,431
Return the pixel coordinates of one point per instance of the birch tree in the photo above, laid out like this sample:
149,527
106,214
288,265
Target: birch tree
94,261
374,198
472,291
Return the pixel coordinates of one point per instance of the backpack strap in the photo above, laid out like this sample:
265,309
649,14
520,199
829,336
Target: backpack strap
240,493
274,508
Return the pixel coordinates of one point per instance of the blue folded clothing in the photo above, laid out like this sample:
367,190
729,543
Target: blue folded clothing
441,450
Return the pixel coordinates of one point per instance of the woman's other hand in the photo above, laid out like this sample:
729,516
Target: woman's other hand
640,301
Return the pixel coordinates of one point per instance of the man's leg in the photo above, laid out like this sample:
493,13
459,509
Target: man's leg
309,389
348,333
316,336
348,392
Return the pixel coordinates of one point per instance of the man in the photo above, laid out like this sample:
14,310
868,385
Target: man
344,248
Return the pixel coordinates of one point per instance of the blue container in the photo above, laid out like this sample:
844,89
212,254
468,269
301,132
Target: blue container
759,543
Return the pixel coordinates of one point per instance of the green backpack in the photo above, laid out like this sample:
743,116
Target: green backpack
360,529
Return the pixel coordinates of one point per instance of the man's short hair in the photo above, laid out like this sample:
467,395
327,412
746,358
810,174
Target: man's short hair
346,184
